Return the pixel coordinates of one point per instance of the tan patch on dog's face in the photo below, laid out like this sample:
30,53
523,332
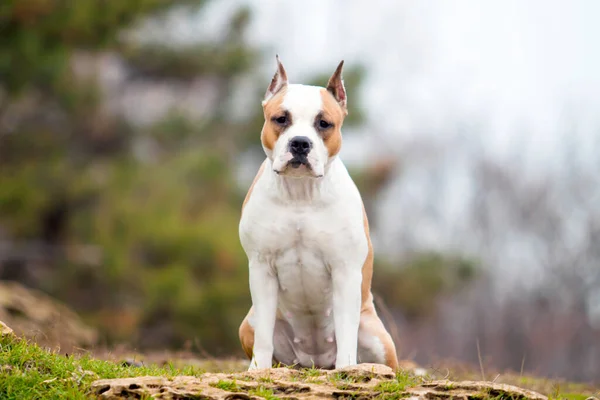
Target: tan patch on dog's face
272,110
334,114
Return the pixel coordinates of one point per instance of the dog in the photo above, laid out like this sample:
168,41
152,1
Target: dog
306,235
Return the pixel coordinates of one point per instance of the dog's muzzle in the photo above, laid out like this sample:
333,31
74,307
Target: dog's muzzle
299,147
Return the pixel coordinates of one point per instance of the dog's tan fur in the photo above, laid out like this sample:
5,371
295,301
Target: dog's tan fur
271,130
334,114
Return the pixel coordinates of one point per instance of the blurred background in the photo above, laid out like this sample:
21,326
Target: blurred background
129,135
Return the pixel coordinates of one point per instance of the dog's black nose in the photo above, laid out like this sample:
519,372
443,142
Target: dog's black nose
300,145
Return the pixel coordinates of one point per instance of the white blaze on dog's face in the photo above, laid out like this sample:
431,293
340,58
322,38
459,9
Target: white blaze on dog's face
302,130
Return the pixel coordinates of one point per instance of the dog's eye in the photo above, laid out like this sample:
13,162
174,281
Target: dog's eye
324,124
281,120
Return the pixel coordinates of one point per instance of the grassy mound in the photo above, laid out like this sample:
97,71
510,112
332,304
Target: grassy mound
28,371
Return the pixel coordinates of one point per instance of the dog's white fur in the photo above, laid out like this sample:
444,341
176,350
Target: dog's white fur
303,230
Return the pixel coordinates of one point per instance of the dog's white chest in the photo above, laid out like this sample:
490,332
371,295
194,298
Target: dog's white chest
300,242
300,261
294,242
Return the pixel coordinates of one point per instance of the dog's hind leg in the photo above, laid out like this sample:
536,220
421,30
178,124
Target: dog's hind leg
283,351
375,345
246,333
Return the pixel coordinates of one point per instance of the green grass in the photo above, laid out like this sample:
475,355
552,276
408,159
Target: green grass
230,386
261,391
390,387
30,372
339,376
572,396
395,389
558,395
265,379
311,372
342,381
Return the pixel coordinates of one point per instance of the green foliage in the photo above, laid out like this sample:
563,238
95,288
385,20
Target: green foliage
416,285
171,267
167,268
39,36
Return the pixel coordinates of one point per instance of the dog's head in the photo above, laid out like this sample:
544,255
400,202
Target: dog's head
302,130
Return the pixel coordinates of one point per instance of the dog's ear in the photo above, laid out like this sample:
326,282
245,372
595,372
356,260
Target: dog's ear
278,82
335,86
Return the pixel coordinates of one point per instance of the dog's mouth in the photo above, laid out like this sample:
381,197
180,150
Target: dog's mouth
297,165
296,162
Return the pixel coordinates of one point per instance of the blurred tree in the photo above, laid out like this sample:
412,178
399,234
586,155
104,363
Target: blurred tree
422,279
39,36
135,226
163,228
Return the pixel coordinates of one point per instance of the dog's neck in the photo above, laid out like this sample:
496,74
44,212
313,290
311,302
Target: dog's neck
303,190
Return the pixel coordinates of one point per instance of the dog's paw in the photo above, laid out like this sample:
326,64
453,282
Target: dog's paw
340,365
253,365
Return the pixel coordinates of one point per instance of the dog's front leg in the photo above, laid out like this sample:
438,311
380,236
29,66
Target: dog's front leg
346,312
263,290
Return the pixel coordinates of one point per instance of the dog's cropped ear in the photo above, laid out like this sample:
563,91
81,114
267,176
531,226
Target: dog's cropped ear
335,86
278,82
